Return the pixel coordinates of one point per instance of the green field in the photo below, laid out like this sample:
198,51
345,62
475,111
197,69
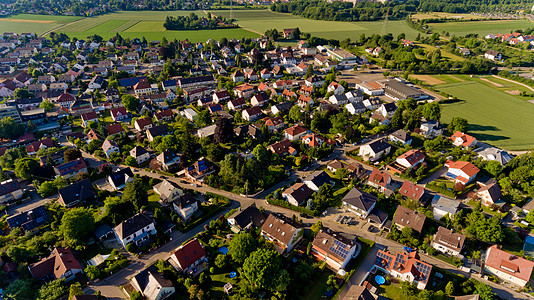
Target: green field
494,116
262,20
481,27
37,24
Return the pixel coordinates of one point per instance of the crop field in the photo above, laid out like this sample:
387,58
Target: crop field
145,23
439,15
37,24
481,27
262,20
494,116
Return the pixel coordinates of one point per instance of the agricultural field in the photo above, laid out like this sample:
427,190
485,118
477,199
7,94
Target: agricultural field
439,15
261,20
494,116
37,24
481,28
145,23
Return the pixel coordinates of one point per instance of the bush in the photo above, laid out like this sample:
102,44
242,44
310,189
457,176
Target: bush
132,248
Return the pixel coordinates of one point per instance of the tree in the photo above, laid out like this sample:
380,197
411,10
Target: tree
71,154
220,261
47,105
25,167
493,167
135,193
20,289
485,291
93,272
75,290
130,102
241,246
315,228
432,111
130,161
52,290
449,288
262,269
46,189
224,131
118,209
458,124
76,225
396,120
9,129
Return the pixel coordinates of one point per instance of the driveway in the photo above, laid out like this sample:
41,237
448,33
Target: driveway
434,176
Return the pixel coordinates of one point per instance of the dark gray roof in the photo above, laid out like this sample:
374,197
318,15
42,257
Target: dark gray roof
9,186
379,145
318,178
249,215
402,134
158,130
119,177
77,193
30,219
132,225
137,151
361,200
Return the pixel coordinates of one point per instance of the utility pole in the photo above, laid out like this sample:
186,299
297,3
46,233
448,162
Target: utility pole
231,9
384,28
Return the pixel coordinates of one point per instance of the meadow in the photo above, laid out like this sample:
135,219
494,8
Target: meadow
261,20
494,116
439,15
481,28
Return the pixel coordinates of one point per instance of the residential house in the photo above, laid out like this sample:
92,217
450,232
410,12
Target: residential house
244,90
140,154
61,264
243,219
109,147
335,165
89,117
490,153
115,128
135,230
461,171
490,194
185,206
274,124
10,191
358,202
164,115
76,193
168,191
71,168
316,81
412,191
317,179
335,88
355,107
493,55
356,170
190,114
372,103
282,232
379,180
283,148
119,178
251,113
338,99
295,132
237,76
199,170
152,285
405,266
443,206
259,99
448,242
405,217
221,96
168,159
142,88
96,83
29,220
375,150
508,267
401,136
387,110
407,161
188,256
159,130
237,104
431,129
333,248
118,114
297,194
463,140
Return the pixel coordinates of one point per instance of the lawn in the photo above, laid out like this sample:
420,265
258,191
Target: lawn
262,20
438,15
481,27
316,291
37,24
494,116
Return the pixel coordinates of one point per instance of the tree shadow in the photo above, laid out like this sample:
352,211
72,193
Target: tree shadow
478,127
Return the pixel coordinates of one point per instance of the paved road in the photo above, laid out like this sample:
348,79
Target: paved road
109,286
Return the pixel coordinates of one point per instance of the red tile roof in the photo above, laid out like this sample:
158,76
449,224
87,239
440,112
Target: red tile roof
467,167
508,263
61,261
295,130
114,128
188,254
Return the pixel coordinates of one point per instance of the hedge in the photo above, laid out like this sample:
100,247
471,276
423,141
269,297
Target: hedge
286,204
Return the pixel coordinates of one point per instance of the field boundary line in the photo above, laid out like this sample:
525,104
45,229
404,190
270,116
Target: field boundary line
124,29
513,81
61,26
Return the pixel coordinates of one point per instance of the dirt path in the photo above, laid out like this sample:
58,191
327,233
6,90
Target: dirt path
494,83
510,80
